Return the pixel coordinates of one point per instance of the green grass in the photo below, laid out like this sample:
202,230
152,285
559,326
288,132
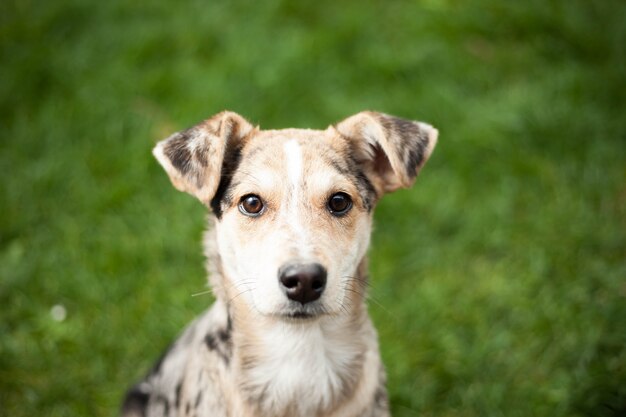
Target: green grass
499,280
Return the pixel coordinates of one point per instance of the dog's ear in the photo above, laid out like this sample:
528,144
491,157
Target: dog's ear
194,158
392,150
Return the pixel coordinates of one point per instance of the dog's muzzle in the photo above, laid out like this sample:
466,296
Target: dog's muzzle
303,283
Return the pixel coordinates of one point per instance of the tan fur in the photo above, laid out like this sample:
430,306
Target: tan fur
256,352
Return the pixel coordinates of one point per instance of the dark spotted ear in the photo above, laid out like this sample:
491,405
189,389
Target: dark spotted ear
195,158
392,150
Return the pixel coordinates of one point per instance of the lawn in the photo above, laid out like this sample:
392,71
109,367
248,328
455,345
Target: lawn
498,281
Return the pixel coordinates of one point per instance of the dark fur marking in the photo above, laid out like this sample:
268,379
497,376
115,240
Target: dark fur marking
177,151
166,404
221,343
201,154
405,127
210,341
408,135
411,138
223,335
136,401
252,397
179,386
229,323
227,198
367,190
363,184
198,399
230,164
340,165
253,151
227,127
218,129
380,398
415,157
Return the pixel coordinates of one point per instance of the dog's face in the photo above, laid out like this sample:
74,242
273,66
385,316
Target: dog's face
293,207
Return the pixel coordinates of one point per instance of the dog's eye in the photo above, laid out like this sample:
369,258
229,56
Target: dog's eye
251,205
339,204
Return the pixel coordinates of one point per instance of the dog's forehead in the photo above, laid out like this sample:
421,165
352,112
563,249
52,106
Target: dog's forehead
316,161
273,146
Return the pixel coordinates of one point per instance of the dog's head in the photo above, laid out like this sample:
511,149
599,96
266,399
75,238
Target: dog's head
293,207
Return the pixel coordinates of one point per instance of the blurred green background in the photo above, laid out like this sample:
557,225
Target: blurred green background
498,281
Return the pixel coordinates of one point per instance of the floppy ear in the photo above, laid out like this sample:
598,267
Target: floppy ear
392,150
194,158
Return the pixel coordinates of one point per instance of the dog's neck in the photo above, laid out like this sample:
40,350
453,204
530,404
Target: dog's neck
298,369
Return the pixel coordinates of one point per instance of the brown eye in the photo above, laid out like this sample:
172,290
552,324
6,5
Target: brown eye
339,204
251,205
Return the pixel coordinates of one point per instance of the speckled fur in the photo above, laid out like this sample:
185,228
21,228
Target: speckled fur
254,352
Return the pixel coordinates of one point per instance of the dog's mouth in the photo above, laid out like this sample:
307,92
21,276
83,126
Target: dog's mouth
306,312
300,315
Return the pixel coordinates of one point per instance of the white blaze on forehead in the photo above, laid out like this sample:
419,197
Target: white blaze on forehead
295,168
293,154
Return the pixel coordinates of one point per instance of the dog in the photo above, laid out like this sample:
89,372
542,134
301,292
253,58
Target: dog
289,334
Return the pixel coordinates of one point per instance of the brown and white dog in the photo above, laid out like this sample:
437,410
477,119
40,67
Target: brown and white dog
289,334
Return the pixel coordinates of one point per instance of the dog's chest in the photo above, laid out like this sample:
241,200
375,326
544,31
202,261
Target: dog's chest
302,370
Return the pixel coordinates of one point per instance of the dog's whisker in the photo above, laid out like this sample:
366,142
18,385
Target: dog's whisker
355,291
202,293
248,174
344,308
255,311
247,288
364,282
244,284
369,297
240,293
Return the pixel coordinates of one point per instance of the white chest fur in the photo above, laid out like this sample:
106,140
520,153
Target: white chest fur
305,368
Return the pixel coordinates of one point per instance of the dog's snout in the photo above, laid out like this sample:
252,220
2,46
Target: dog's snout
303,282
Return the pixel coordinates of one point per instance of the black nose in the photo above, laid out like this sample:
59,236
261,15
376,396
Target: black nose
302,282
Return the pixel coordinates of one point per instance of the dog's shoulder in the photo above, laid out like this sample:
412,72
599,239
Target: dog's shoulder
187,376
